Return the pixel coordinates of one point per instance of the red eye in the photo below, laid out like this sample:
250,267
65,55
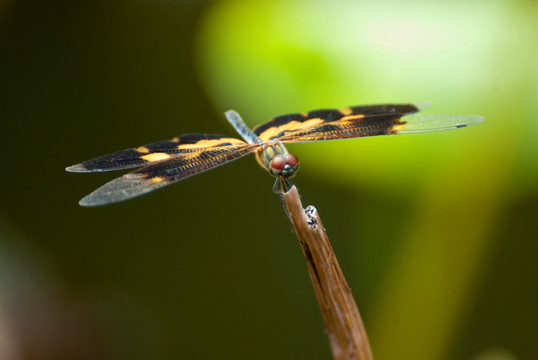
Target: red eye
278,163
292,160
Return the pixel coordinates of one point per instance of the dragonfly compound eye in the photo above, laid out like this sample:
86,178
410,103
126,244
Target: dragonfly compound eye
285,166
292,160
277,164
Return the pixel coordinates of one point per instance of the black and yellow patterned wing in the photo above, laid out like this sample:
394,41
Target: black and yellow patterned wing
165,172
144,155
359,121
162,163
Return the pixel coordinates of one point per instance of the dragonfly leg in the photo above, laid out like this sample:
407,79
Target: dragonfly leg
282,185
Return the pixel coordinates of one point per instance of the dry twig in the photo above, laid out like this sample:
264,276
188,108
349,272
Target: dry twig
345,329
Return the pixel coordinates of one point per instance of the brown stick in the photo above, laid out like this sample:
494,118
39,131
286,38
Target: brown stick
345,330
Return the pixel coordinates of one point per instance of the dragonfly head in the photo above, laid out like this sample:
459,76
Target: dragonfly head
284,165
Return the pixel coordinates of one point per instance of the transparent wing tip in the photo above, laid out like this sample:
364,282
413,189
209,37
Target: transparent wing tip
415,123
78,168
85,202
97,198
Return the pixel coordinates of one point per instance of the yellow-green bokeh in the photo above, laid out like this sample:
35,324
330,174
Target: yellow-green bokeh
435,232
269,58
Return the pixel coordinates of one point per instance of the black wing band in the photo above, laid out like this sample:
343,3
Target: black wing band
386,124
303,122
154,152
163,173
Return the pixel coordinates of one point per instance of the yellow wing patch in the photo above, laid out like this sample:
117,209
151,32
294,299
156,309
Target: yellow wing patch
142,149
346,111
156,157
210,143
156,179
350,118
395,128
290,126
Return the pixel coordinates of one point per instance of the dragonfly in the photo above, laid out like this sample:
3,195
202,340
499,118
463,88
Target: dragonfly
167,162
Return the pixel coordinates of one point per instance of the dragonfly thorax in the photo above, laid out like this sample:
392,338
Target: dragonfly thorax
276,159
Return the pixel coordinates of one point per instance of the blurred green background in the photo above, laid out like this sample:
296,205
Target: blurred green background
436,233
